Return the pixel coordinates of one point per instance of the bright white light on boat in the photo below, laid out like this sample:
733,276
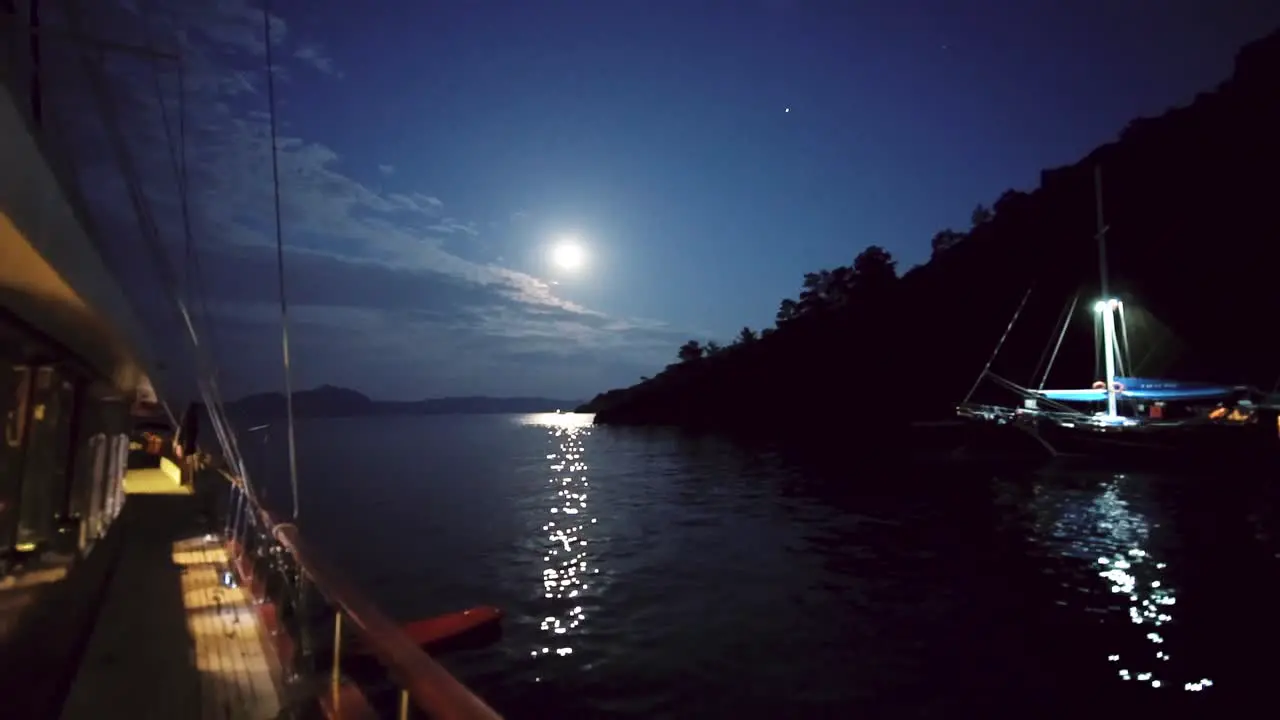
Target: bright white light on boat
1105,305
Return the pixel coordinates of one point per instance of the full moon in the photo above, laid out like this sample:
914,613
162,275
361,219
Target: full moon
568,255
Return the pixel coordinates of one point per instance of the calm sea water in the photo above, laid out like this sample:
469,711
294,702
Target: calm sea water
647,574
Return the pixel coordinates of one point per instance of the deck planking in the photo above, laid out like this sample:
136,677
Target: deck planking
171,640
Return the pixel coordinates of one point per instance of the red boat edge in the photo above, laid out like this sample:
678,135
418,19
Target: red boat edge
448,627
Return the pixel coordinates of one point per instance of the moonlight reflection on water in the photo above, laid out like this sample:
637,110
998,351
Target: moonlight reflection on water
1102,526
566,560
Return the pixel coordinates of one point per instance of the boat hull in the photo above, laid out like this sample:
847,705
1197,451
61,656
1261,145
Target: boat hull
1150,446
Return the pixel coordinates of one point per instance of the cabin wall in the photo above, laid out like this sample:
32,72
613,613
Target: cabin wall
52,275
70,370
62,460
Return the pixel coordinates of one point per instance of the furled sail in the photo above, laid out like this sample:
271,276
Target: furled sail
1145,389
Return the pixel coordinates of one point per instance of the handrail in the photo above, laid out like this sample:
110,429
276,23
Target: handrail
431,687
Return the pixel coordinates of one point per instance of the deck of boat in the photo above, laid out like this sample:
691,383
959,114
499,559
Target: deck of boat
171,640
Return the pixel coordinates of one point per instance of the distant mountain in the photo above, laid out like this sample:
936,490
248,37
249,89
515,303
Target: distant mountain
330,401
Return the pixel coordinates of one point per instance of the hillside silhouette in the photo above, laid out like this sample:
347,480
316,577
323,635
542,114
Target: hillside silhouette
331,401
1193,244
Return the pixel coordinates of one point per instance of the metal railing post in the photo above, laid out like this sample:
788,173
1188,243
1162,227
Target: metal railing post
335,675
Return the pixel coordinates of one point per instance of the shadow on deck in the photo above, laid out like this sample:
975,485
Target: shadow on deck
170,641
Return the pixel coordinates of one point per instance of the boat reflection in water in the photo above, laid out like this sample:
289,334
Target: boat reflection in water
566,562
1101,526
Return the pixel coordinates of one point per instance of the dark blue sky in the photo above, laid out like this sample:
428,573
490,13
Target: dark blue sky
437,149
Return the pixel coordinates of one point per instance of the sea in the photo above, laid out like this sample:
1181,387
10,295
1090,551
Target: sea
646,573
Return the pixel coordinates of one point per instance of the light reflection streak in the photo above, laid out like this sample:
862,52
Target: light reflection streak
1119,556
566,560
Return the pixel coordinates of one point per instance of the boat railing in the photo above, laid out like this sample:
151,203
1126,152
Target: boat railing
311,608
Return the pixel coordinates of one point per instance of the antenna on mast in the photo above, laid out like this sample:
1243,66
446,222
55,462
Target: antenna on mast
1102,230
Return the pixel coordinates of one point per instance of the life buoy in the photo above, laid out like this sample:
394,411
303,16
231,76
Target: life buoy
1100,385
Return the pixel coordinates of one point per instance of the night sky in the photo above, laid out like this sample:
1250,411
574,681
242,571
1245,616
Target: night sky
433,153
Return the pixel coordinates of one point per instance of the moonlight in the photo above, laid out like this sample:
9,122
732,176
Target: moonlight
568,255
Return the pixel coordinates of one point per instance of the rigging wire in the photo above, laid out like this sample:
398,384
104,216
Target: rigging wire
206,359
999,344
1063,318
1038,396
147,227
284,304
1058,345
217,408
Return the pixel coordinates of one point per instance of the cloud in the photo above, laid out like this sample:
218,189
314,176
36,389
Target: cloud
381,291
450,226
312,55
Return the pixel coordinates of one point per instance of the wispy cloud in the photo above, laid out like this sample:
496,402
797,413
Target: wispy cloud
313,56
450,226
370,272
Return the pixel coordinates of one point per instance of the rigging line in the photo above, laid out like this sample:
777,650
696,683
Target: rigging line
1000,344
284,305
1040,398
148,43
178,159
217,408
1058,346
147,227
1062,315
177,156
206,361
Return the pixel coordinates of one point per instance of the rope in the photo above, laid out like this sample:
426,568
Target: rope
147,227
284,304
999,344
1058,346
206,361
1049,402
1064,319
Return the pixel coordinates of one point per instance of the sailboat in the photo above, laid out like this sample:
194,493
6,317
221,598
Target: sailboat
1124,418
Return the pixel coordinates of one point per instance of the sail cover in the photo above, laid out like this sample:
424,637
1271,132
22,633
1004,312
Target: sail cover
1145,389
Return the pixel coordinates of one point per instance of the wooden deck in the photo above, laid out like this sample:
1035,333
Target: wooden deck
164,480
171,641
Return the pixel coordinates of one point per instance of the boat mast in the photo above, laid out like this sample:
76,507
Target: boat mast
1107,306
